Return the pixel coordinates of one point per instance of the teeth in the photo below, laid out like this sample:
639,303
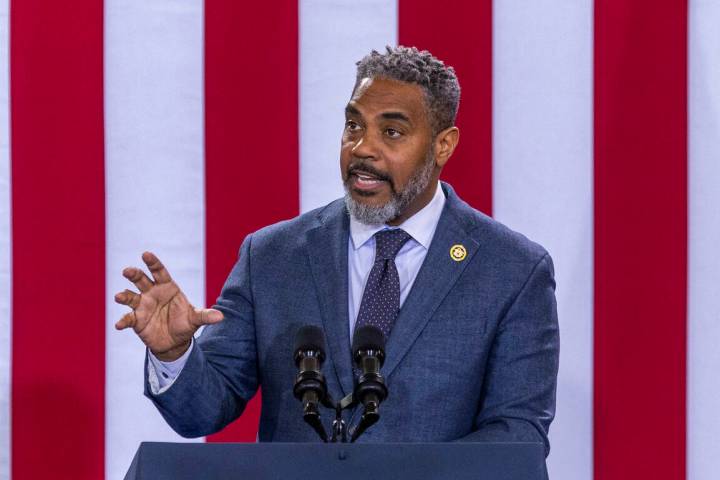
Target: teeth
366,178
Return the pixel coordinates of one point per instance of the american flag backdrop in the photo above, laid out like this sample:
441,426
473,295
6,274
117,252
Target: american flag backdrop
180,126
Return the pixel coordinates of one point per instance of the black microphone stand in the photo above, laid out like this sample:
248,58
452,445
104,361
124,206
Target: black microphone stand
369,417
339,429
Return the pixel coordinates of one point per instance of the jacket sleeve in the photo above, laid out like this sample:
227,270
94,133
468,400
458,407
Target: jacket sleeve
518,401
220,375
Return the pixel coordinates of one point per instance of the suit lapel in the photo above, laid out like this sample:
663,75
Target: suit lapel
327,249
436,277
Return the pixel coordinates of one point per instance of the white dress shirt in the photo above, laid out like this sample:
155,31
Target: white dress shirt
361,256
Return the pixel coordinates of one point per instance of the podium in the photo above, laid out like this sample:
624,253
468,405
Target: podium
345,461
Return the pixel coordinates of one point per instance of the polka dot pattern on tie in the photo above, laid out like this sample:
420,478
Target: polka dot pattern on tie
381,299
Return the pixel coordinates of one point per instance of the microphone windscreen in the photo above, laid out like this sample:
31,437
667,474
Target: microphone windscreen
368,337
310,337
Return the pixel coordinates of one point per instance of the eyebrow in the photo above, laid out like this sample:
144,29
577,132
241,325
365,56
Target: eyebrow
351,110
395,116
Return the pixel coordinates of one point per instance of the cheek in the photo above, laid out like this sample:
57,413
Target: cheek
345,150
345,157
400,170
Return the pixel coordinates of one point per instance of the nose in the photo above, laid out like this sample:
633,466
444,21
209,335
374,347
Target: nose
366,146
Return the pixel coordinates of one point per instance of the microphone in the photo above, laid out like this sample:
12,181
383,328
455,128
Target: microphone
310,387
369,355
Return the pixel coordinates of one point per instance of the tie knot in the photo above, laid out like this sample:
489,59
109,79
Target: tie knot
389,242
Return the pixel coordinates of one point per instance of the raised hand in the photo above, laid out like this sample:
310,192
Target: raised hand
161,315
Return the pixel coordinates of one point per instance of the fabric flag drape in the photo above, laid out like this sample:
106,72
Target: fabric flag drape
180,127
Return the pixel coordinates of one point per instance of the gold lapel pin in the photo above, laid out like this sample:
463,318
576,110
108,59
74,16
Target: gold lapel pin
458,253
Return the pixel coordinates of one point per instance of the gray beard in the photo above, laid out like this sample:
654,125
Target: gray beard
379,215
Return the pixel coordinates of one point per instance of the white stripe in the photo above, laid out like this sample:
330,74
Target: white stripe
155,187
542,185
334,34
5,238
703,423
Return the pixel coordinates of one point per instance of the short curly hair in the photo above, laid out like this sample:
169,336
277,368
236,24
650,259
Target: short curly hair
408,64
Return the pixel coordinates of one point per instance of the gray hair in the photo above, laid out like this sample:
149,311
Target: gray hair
408,64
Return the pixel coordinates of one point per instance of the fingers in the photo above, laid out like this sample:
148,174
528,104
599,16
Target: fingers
157,269
207,316
129,298
127,321
138,277
132,300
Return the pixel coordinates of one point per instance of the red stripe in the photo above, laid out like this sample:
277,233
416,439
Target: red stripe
251,137
464,40
58,238
640,239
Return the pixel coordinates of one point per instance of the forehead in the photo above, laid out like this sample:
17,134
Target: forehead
377,95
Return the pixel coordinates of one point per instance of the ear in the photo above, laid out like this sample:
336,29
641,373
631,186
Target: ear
444,145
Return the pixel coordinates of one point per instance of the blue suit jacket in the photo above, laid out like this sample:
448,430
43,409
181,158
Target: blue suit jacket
473,354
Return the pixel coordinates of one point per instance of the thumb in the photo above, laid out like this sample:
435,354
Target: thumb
208,316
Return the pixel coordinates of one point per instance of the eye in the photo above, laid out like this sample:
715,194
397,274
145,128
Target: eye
392,133
351,126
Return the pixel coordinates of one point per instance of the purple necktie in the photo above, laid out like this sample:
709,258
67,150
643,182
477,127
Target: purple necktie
381,299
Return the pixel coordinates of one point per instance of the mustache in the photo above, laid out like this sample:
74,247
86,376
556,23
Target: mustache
363,167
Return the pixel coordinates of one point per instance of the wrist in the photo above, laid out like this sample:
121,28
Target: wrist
172,354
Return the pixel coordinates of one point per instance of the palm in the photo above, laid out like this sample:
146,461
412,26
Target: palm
162,316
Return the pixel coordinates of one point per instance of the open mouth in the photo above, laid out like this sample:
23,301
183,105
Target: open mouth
363,180
366,181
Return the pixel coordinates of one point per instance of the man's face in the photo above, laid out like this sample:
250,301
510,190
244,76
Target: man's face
386,154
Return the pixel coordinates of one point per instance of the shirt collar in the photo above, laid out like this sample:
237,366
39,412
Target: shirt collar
420,226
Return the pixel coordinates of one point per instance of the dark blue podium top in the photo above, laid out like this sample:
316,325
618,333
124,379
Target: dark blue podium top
317,461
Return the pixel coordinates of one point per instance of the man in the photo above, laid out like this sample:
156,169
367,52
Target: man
467,305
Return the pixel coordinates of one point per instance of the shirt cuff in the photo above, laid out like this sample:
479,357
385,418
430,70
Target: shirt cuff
161,375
